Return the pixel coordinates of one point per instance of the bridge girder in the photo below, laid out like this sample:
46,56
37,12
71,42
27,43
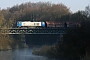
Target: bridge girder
34,31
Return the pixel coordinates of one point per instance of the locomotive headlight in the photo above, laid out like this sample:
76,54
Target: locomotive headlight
42,23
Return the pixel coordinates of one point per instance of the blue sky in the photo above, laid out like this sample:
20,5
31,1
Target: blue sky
74,5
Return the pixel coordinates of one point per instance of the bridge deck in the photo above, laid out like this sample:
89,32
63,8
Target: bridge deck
34,31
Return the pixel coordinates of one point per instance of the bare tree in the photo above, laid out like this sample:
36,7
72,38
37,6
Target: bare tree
87,11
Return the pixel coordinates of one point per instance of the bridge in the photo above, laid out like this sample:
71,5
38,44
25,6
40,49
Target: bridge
27,31
34,30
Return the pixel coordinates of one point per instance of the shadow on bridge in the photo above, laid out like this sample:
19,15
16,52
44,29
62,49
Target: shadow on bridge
45,39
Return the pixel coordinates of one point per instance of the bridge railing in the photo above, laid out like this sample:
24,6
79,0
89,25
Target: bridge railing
34,31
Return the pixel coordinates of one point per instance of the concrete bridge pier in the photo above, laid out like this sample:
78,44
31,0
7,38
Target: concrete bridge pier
60,38
23,40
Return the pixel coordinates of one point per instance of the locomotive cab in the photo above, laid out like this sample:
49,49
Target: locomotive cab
19,23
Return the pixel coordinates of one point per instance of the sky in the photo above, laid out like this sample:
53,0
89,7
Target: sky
74,5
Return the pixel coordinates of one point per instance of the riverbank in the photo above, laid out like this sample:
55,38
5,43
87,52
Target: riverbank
47,51
53,53
7,48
